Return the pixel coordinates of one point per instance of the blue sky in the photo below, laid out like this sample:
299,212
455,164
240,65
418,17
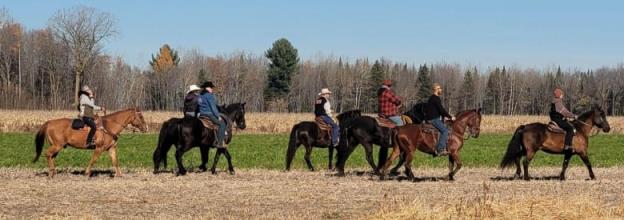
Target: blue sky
581,34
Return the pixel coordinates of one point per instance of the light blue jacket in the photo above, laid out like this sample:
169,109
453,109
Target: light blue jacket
208,104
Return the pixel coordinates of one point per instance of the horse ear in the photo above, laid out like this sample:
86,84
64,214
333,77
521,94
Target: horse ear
243,104
479,110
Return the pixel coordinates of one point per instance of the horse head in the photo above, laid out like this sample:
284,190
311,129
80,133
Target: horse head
138,120
236,112
599,118
472,120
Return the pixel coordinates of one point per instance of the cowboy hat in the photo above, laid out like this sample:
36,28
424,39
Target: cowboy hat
325,91
192,88
208,84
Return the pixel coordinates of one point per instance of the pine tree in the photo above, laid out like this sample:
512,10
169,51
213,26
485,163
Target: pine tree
375,81
423,84
284,64
202,76
166,59
468,92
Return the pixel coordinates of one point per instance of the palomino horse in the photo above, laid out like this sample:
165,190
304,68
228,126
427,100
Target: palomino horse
186,133
410,138
59,133
309,134
530,138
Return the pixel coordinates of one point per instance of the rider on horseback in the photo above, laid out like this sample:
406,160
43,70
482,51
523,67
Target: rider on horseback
322,109
87,109
208,108
388,103
435,113
190,101
558,114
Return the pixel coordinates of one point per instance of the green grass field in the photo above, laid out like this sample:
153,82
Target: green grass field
268,151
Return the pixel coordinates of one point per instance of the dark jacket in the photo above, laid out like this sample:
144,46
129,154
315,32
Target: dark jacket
208,104
319,106
559,111
435,109
190,103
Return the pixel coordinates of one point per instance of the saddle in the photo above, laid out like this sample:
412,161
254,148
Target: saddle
208,123
384,122
430,129
554,128
326,129
78,123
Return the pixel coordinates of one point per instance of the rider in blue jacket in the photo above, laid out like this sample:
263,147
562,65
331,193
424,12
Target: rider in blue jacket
208,108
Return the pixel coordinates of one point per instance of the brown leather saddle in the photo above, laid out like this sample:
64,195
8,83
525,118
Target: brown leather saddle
384,122
554,128
430,129
325,128
208,123
78,123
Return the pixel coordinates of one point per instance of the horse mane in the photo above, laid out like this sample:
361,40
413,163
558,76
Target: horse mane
349,115
586,115
464,112
120,111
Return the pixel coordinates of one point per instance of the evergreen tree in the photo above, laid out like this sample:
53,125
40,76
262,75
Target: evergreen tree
467,92
202,76
284,64
376,79
492,93
423,84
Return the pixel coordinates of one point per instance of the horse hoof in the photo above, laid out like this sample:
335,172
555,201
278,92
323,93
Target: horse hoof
181,173
232,172
213,171
203,169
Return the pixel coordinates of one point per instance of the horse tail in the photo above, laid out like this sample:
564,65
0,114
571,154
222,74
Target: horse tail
160,154
293,144
39,141
514,149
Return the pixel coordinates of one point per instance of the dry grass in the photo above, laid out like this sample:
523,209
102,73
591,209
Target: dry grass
29,121
268,194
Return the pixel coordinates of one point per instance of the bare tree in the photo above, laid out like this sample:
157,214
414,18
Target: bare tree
83,31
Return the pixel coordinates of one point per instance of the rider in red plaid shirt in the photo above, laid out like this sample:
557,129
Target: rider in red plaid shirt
389,103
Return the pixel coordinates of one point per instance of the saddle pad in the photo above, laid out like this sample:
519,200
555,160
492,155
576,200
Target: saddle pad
77,124
553,127
384,122
321,123
207,123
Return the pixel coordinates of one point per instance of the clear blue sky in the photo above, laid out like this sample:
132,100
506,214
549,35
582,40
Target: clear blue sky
583,34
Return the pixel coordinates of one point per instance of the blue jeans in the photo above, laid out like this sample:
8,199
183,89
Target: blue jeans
220,131
397,120
437,123
335,129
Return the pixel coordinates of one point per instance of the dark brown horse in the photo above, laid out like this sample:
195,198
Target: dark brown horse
530,138
410,138
59,133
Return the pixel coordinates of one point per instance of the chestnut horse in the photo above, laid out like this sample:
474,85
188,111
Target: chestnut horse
412,137
530,138
59,133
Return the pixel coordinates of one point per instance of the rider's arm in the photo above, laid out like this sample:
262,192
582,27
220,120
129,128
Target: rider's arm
327,108
563,110
84,100
213,106
441,109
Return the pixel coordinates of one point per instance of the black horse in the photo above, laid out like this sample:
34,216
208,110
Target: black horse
188,132
366,131
308,134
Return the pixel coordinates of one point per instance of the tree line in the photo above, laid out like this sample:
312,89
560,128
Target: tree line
43,68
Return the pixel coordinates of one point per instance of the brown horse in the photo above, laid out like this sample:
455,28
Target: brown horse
530,138
59,133
412,137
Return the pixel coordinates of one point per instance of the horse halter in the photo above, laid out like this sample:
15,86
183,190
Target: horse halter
471,133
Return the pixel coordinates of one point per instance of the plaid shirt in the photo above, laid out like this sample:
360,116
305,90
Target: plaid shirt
388,103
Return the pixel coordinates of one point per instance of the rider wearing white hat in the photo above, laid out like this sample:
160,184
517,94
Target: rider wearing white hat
190,101
322,108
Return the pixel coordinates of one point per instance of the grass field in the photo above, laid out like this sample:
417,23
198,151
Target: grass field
266,151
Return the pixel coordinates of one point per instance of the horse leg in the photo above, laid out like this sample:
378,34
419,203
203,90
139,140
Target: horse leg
112,152
290,153
566,161
518,169
331,157
94,157
229,159
215,161
204,157
451,166
307,157
178,156
395,170
368,148
395,153
525,163
458,165
585,159
408,166
52,151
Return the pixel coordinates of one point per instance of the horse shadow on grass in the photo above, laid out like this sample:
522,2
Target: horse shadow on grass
396,177
94,173
533,178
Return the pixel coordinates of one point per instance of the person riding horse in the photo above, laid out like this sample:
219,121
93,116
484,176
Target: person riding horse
389,103
208,109
435,112
322,108
558,114
190,101
87,110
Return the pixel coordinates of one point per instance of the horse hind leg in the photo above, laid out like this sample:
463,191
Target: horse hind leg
525,163
307,157
52,151
215,161
518,174
178,155
229,159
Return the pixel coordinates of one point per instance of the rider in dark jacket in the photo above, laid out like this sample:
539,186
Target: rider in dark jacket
435,113
558,114
191,107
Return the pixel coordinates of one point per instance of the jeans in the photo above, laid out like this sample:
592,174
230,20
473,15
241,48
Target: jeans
335,129
397,120
567,128
437,123
89,122
220,131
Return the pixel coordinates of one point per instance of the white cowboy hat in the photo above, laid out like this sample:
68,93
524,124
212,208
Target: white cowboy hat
193,88
325,91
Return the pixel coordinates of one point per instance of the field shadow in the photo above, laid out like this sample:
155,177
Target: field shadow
94,173
512,178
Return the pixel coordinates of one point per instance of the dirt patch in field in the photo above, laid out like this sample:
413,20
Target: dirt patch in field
269,194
